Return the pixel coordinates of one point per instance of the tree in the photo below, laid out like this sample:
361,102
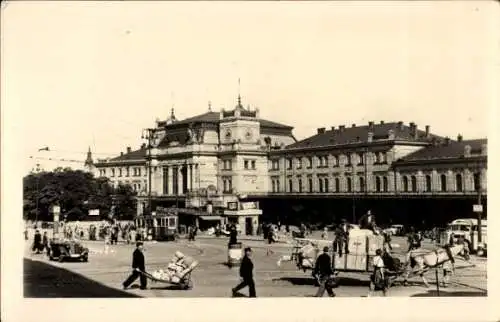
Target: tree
125,202
75,191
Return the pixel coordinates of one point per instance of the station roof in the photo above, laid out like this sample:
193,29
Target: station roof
450,150
345,135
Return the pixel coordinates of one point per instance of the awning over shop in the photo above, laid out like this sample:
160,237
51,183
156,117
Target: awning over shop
211,217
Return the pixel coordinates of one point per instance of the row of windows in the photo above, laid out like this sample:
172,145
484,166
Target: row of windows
322,161
121,172
410,183
381,184
247,164
135,186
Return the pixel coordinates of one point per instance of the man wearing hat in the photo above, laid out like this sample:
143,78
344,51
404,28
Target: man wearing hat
341,238
138,264
323,271
246,273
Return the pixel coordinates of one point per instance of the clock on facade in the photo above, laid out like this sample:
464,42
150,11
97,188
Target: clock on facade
228,134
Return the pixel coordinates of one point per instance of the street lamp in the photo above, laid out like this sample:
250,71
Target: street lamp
149,134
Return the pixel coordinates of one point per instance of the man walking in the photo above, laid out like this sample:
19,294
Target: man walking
323,271
246,273
138,264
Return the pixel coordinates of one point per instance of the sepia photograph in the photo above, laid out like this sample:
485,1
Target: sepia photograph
249,149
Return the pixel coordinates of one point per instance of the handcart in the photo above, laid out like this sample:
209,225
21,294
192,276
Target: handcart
185,282
177,273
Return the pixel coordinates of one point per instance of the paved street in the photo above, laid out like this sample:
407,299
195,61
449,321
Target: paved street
103,274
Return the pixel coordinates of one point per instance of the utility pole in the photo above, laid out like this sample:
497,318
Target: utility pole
480,206
149,134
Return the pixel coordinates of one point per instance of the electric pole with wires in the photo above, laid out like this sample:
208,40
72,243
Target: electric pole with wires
149,134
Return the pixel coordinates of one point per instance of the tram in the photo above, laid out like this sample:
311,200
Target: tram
160,225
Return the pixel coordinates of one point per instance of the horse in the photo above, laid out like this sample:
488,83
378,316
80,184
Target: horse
418,264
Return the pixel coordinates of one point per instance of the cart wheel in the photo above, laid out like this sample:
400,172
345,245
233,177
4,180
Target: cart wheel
61,258
85,258
188,285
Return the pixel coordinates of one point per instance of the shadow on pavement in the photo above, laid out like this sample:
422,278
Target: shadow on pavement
433,293
340,281
42,280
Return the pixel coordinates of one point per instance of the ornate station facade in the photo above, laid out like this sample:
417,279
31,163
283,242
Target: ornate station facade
230,163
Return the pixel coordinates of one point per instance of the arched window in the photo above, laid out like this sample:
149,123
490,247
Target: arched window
405,184
290,185
458,179
477,183
377,184
273,186
361,184
386,184
413,183
320,181
310,185
337,185
349,184
428,183
326,185
443,182
300,185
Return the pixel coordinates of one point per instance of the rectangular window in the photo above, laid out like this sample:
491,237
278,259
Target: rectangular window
127,174
289,164
246,164
227,165
348,160
253,164
309,163
335,161
120,172
275,165
290,185
361,159
300,185
112,172
165,180
139,172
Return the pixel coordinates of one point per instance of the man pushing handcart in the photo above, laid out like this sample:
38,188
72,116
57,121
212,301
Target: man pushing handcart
178,272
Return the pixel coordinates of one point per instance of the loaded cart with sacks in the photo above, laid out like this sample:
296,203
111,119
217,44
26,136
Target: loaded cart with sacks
178,272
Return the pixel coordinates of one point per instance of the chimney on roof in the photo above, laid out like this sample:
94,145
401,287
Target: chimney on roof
371,125
460,138
390,135
381,122
129,149
446,141
353,124
342,128
400,125
427,131
121,153
467,151
333,128
370,137
414,130
143,146
321,130
484,149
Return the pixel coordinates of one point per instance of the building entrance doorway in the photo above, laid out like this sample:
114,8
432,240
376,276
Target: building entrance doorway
248,226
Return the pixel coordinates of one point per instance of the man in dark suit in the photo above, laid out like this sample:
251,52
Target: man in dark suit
323,270
246,273
341,238
233,235
138,264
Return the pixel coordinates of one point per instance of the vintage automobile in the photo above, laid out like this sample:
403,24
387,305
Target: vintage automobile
468,229
61,250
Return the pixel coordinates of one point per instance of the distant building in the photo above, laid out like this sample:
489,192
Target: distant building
400,172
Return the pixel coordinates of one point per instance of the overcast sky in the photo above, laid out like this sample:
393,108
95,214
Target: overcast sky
81,74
